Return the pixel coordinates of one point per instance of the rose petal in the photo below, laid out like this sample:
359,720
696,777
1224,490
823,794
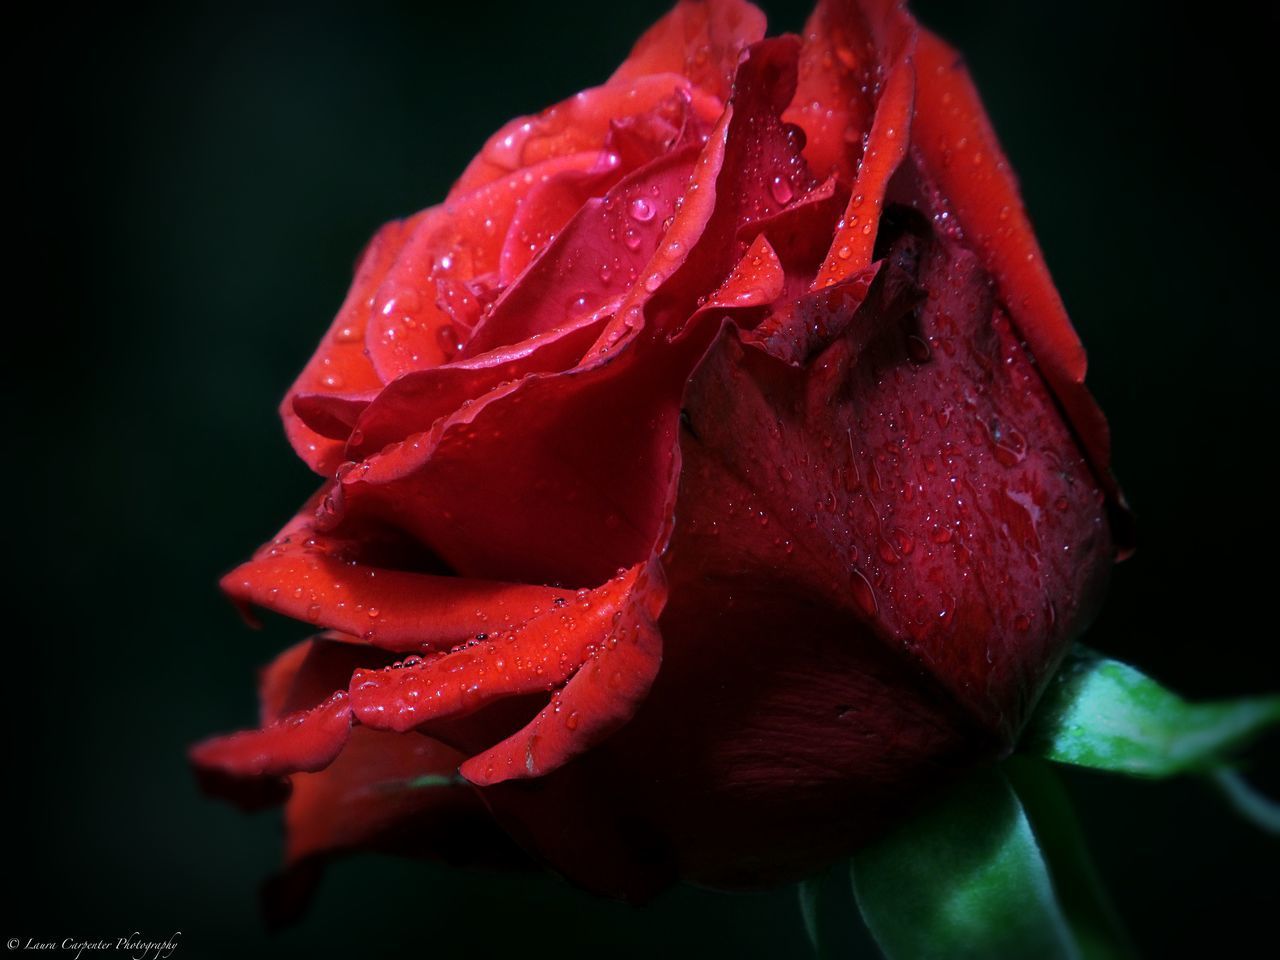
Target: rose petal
308,740
332,415
799,330
846,45
804,745
800,235
761,172
459,240
594,260
414,402
756,279
963,155
309,575
631,143
953,507
886,146
698,40
339,366
378,794
385,792
592,447
601,697
309,673
539,651
577,125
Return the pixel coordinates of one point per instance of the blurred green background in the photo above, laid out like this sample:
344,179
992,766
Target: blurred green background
192,185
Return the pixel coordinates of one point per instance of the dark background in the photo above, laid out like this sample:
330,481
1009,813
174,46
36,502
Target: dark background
191,188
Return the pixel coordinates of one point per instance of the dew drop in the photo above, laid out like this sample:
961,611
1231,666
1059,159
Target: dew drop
781,189
447,338
863,593
642,209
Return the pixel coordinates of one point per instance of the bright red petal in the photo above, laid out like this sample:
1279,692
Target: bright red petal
339,367
460,240
603,694
848,46
311,576
308,740
595,259
577,125
698,40
546,645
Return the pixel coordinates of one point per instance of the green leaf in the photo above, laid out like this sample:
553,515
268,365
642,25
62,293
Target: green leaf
1089,913
964,879
1104,714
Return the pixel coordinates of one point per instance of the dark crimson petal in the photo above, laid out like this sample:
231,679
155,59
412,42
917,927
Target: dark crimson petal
797,331
580,124
698,40
962,154
414,402
459,240
539,652
602,695
842,68
916,471
340,367
303,741
312,576
594,260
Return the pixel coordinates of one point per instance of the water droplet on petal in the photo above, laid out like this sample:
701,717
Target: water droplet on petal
781,189
642,209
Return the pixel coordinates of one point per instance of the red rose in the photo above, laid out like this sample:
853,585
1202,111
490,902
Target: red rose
707,478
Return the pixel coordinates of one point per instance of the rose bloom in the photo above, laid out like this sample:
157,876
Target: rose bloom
708,479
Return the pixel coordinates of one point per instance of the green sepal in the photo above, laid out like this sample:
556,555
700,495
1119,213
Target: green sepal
1094,923
1104,714
963,879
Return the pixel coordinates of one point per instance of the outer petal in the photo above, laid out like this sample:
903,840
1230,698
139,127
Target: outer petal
340,367
603,695
962,154
920,473
343,585
392,793
307,740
